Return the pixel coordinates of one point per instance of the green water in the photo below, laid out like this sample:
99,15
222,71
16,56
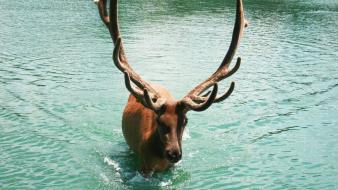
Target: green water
61,98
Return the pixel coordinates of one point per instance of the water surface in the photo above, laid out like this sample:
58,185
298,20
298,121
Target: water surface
61,98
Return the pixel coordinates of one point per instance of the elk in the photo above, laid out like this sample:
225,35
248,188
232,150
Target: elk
153,120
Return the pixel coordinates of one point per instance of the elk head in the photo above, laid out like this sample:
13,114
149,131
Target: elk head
170,114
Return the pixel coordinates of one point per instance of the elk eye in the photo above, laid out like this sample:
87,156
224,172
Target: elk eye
163,126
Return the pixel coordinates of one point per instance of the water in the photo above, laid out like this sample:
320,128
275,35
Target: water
61,98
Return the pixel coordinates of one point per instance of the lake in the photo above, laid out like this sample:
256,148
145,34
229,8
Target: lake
61,97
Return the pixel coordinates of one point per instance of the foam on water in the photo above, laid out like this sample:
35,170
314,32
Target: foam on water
111,162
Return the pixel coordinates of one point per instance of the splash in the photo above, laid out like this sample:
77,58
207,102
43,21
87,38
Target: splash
111,162
153,181
186,134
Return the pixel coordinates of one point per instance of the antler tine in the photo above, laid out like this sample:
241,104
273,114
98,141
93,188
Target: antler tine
102,4
194,96
206,104
144,97
240,24
156,106
151,99
204,98
136,92
125,67
115,34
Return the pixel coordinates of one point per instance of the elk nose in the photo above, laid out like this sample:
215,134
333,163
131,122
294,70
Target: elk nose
173,155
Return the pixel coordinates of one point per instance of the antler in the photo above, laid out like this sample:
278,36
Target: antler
143,91
197,102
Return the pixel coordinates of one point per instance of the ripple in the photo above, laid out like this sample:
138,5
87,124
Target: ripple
276,132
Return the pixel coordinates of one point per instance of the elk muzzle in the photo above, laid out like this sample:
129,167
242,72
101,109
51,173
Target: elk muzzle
173,155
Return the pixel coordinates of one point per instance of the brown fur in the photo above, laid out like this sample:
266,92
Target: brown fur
140,131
